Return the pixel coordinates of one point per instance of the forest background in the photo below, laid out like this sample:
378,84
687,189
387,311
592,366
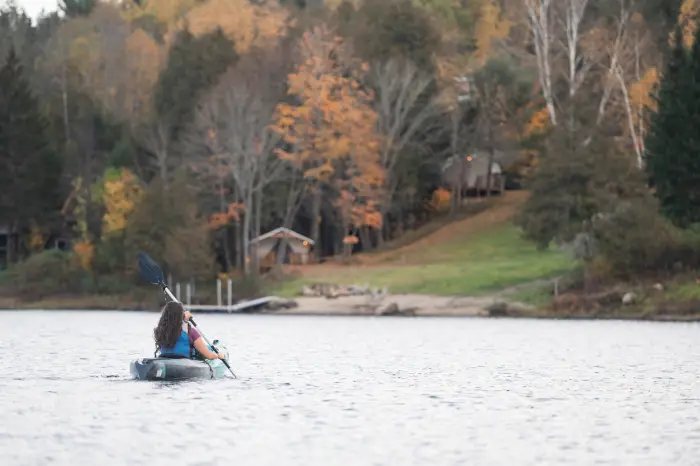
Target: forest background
186,128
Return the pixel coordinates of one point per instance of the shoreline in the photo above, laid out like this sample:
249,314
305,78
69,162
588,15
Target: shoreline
392,305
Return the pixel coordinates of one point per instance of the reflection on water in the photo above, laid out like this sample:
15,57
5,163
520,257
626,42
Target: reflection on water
353,391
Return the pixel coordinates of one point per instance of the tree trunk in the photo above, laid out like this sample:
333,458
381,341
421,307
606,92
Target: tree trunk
381,231
316,222
365,239
489,171
237,231
227,248
256,229
64,99
226,237
246,232
10,254
453,200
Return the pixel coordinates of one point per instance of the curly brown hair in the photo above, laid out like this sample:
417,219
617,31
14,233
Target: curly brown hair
169,326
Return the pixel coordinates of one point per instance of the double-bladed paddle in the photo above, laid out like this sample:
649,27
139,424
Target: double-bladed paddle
154,275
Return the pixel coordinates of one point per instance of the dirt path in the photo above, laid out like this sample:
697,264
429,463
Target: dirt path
504,209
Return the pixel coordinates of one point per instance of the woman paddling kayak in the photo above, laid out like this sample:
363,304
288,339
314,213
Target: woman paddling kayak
175,337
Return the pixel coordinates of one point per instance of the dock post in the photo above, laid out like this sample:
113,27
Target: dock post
229,294
218,292
177,291
189,294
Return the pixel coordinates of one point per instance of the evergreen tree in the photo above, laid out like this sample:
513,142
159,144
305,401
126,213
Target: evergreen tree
29,167
673,142
194,65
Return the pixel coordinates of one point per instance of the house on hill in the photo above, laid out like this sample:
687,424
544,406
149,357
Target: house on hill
469,173
269,245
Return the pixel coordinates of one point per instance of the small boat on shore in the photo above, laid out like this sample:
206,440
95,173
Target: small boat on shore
178,368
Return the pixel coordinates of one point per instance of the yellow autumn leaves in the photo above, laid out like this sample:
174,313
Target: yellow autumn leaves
119,192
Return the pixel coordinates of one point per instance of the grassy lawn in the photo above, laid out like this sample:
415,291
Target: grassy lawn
683,289
537,296
487,261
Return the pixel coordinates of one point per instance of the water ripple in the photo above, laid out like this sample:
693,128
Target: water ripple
353,391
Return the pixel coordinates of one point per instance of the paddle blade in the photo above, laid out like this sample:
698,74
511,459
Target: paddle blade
149,270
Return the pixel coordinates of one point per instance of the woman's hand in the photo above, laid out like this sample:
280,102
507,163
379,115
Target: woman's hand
188,316
221,355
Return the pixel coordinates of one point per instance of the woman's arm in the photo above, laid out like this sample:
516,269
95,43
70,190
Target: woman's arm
201,346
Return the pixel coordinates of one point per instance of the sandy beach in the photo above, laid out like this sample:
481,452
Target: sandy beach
394,304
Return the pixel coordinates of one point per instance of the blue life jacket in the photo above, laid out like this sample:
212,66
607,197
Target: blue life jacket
182,346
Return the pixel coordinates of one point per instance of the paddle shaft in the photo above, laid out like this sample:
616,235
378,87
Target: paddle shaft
172,296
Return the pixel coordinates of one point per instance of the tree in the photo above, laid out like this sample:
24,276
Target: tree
501,92
672,157
31,168
492,26
168,225
234,126
382,29
403,107
572,184
247,24
72,8
194,66
333,119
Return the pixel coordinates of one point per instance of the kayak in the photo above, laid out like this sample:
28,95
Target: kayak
169,368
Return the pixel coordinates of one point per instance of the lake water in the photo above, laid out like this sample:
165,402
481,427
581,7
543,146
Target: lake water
353,391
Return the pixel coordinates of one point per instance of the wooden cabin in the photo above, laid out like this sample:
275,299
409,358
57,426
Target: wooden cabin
269,245
469,173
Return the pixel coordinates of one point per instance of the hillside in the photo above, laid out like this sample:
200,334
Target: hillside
478,254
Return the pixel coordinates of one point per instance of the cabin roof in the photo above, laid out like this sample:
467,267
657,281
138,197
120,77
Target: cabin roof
282,232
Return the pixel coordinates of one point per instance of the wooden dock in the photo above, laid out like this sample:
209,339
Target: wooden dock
244,306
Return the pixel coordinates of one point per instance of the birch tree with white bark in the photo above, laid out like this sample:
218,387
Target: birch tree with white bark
403,110
233,128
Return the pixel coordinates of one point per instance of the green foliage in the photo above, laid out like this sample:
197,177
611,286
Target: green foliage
673,146
247,287
382,29
73,8
572,183
54,272
166,224
49,272
110,256
30,177
492,260
194,66
635,239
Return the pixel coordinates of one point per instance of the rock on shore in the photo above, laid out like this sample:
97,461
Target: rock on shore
324,299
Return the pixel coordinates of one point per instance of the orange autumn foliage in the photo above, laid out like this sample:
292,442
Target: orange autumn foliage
492,25
84,253
538,122
220,219
333,126
440,200
36,239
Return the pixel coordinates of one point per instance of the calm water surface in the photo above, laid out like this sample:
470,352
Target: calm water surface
353,391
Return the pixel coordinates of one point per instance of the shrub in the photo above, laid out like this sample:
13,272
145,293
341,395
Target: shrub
636,239
51,271
109,256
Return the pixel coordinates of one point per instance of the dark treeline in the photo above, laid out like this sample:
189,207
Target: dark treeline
187,128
